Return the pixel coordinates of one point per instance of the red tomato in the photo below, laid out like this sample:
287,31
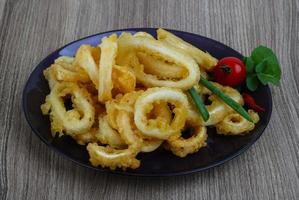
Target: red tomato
230,71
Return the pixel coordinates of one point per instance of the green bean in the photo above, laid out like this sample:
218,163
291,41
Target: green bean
229,101
199,104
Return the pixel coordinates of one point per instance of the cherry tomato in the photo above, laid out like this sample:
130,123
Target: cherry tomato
230,71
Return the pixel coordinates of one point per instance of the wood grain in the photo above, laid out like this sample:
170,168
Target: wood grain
31,29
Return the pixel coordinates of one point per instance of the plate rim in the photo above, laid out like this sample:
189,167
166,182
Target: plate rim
131,173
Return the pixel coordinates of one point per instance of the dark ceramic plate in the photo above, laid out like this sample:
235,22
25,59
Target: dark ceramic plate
219,148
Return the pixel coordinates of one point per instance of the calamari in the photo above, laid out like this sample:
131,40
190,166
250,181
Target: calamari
107,135
74,121
107,60
87,137
123,78
129,45
204,59
235,124
160,128
122,158
87,58
160,68
113,158
65,70
148,144
51,78
182,147
143,34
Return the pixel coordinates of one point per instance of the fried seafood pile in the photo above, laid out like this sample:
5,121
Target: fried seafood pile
128,95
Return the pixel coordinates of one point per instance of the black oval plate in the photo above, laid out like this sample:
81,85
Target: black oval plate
219,148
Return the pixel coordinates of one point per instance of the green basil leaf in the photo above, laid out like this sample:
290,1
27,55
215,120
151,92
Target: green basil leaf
260,53
268,78
269,70
261,66
252,82
249,65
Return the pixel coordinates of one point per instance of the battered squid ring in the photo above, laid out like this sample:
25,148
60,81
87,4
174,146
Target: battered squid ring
65,59
182,147
50,76
113,158
121,102
107,60
160,111
84,138
112,112
125,122
107,135
157,128
65,70
123,79
87,58
204,59
143,34
160,68
50,73
75,121
149,145
124,158
235,124
63,74
128,45
125,117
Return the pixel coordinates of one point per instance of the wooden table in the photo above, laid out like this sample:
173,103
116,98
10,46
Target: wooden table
31,29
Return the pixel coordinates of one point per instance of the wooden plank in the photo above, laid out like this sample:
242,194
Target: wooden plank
31,29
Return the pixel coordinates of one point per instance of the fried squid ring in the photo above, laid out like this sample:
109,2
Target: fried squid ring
123,79
235,124
63,74
65,59
149,145
112,112
84,138
125,116
87,58
158,128
65,70
127,103
126,123
75,121
217,109
124,158
113,158
108,135
160,68
50,76
143,34
126,128
182,147
107,60
204,59
160,112
128,45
